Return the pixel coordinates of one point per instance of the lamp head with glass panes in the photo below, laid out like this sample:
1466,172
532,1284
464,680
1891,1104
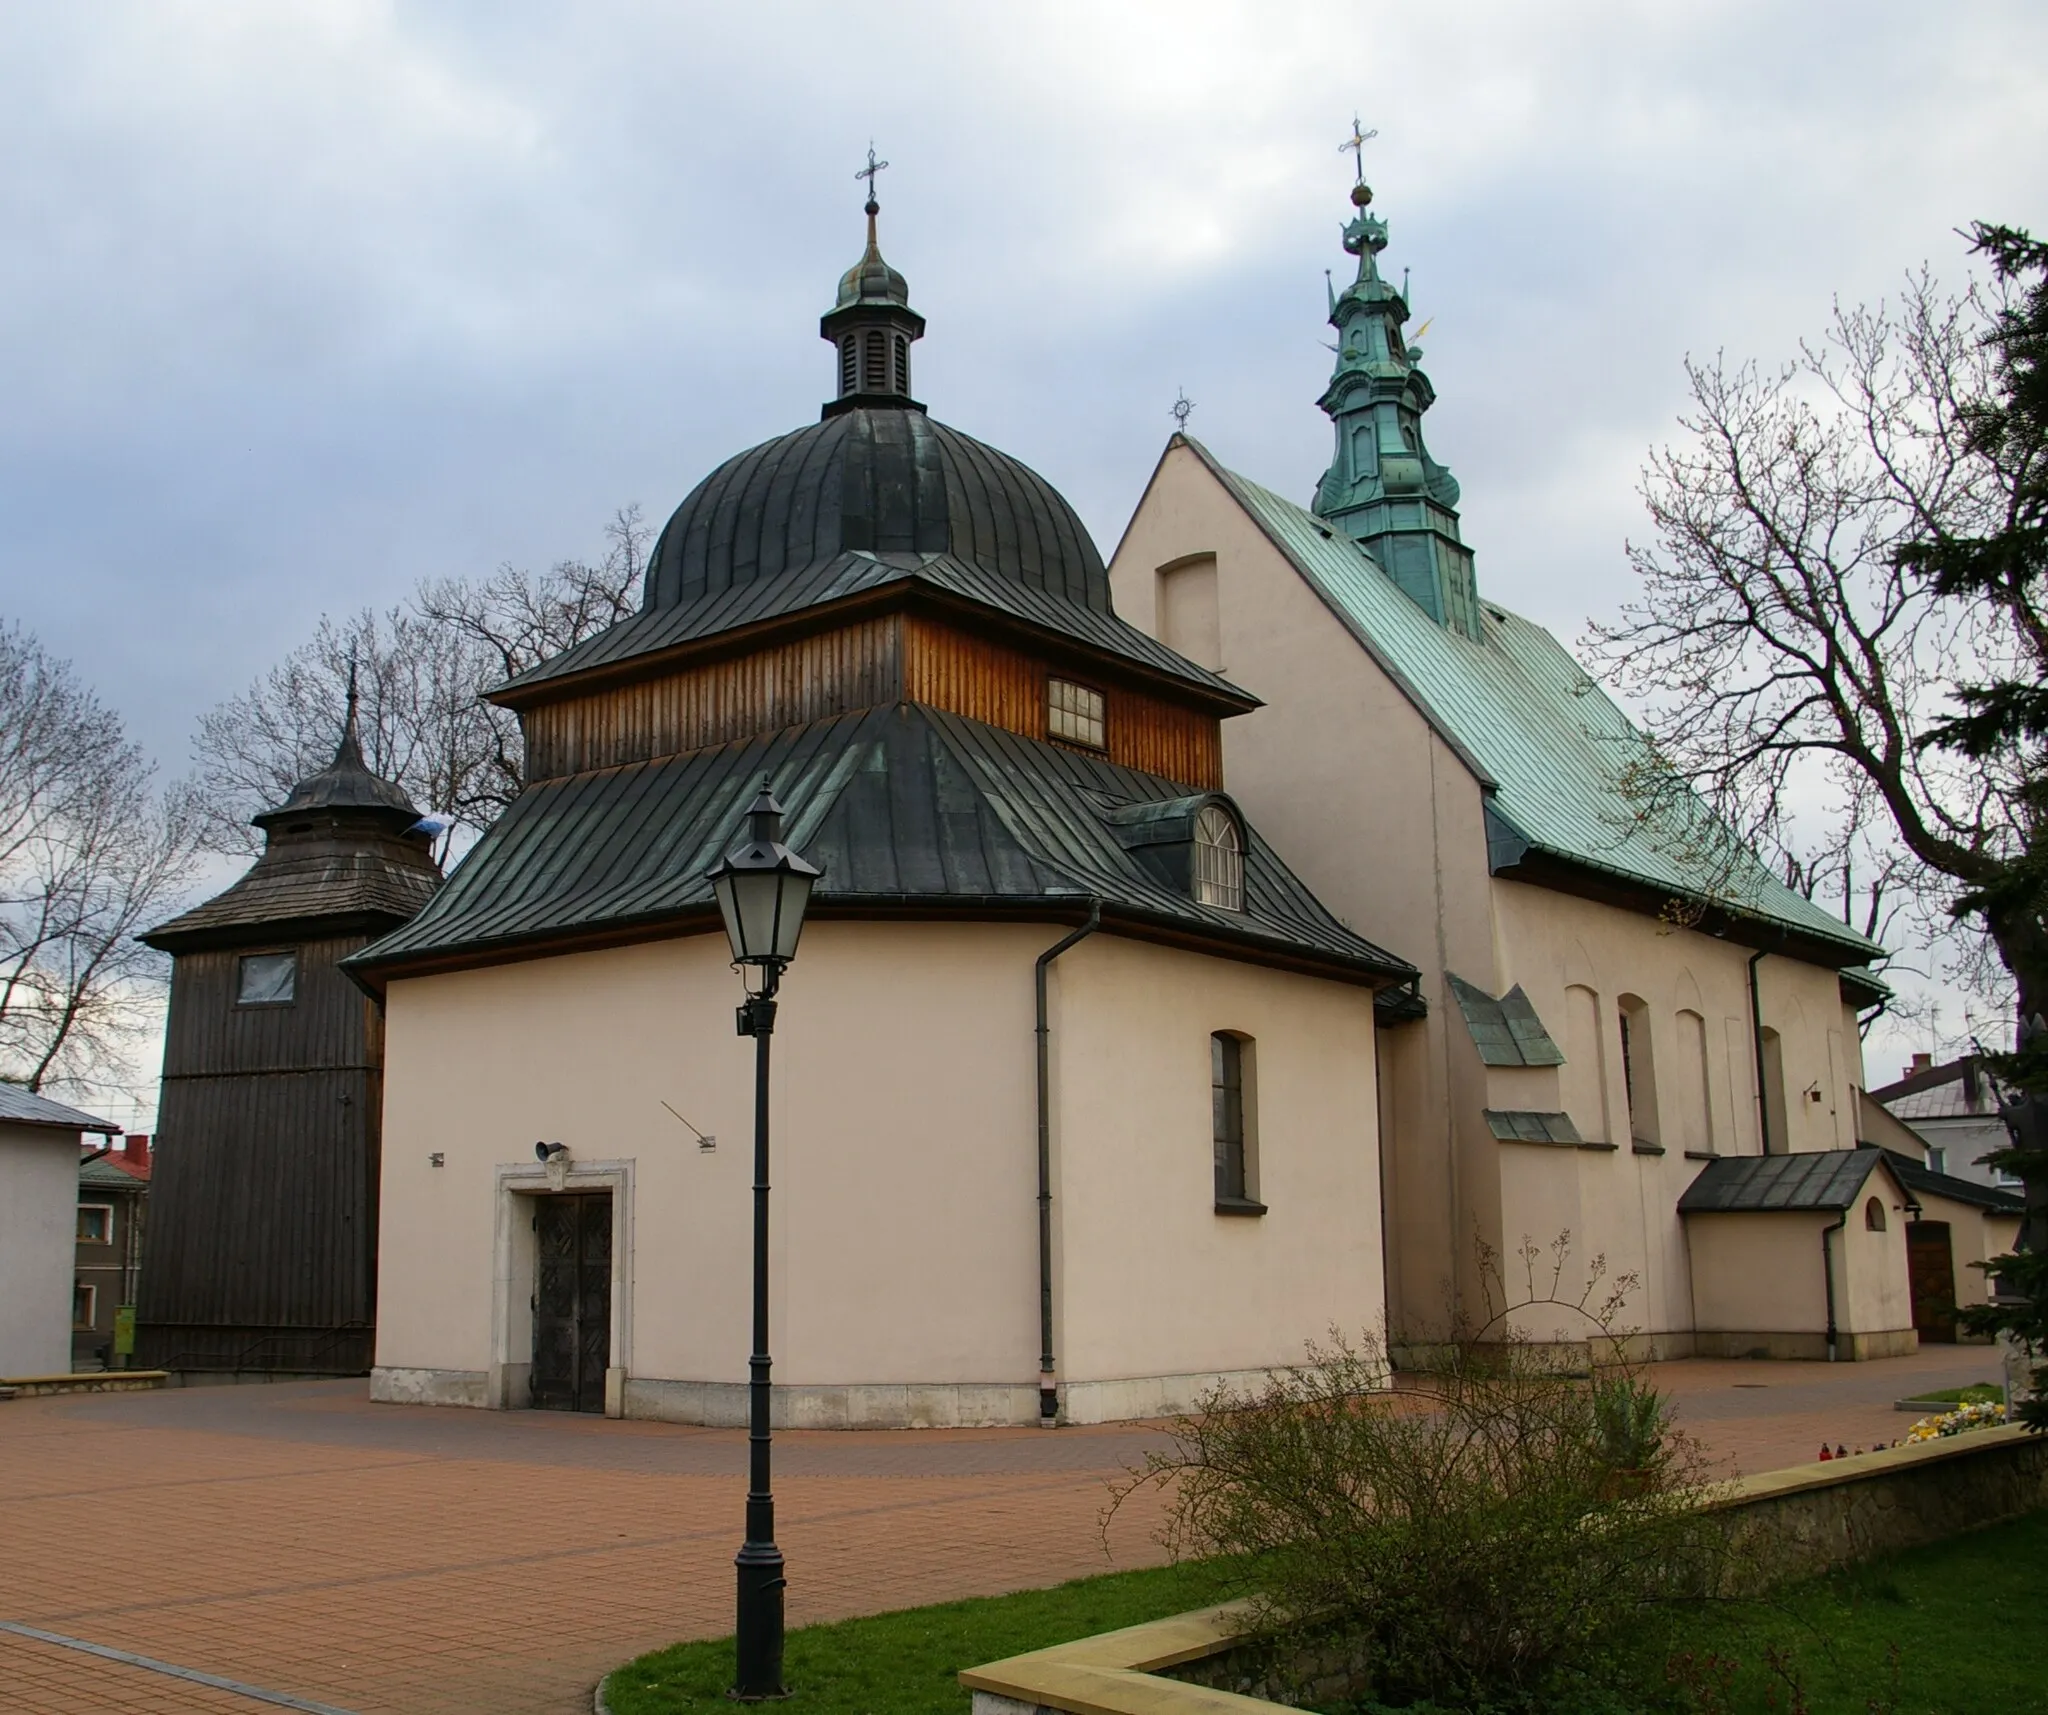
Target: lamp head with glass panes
763,889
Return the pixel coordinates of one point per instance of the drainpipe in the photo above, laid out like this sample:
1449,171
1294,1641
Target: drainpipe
1827,1263
1763,1105
1048,1378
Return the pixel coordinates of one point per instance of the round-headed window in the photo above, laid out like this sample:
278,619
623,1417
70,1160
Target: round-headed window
1873,1214
1219,859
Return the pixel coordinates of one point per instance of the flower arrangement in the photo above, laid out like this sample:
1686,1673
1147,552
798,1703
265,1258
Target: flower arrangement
1964,1417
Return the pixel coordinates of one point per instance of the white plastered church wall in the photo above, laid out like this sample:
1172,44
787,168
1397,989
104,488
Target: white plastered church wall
1383,819
904,1284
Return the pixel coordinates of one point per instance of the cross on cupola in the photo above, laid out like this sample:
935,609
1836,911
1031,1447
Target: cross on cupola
872,326
1382,488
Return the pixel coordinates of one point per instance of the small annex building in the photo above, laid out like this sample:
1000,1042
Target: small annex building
263,1204
1616,994
1074,1092
113,1197
41,1143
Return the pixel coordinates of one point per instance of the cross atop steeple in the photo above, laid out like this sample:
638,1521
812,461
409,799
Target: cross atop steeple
1356,143
868,172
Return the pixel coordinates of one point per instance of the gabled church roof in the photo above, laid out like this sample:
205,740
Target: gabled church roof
907,808
1552,749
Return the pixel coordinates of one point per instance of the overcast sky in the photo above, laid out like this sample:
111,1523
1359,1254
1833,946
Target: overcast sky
302,302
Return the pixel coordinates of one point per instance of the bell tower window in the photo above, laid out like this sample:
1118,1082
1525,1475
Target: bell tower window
874,362
849,367
902,363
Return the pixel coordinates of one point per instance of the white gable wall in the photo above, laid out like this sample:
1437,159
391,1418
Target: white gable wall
38,1245
1383,819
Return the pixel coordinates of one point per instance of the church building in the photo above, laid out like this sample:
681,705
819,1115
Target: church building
1075,1091
1633,1032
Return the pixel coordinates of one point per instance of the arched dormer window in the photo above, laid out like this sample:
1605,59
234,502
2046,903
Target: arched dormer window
1219,859
1873,1215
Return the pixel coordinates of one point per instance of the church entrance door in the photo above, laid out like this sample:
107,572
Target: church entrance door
572,1300
1931,1267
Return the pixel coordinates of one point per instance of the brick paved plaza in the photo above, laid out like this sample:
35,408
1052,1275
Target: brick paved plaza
297,1539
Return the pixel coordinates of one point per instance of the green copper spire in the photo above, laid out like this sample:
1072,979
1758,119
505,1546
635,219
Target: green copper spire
1382,488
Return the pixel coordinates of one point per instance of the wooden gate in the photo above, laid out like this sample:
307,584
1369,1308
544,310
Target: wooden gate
1931,1267
572,1300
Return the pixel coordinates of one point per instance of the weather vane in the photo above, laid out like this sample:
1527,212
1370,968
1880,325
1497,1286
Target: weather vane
868,172
1355,144
1183,408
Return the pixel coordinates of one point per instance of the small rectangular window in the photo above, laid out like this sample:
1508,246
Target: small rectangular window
1074,713
1232,1123
267,979
95,1223
85,1305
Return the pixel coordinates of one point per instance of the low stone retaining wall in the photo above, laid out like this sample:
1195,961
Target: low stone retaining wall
84,1381
1803,1521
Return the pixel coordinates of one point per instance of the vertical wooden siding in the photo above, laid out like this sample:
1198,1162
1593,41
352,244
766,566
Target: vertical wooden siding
875,661
783,685
263,1219
1006,687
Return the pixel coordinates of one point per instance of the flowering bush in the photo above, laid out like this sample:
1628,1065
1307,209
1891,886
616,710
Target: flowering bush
1955,1422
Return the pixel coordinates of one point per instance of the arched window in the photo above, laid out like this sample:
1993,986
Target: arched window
1219,859
902,363
1873,1214
1638,1071
849,371
876,363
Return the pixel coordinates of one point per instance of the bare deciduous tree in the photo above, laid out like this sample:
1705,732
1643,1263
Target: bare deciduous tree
90,854
421,668
1791,661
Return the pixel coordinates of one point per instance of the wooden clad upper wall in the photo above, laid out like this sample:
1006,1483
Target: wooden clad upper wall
1006,687
327,1026
778,686
897,656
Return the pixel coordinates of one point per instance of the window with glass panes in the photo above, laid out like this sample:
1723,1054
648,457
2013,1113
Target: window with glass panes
1075,713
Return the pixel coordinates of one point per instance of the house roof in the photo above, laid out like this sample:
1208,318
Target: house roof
23,1107
909,809
1917,1177
846,577
1958,1089
1552,750
105,1173
1816,1180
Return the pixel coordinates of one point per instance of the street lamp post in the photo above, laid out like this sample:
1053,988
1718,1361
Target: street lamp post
762,889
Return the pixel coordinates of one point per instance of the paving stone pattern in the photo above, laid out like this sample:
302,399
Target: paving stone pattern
394,1558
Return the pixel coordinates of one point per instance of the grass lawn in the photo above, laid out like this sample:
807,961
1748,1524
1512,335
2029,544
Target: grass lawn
1969,1617
1977,1393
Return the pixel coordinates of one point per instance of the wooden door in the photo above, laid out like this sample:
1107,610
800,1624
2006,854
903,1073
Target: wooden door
572,1300
1931,1267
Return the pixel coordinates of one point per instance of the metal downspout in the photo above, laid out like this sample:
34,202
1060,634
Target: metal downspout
1827,1263
1048,1377
1763,1104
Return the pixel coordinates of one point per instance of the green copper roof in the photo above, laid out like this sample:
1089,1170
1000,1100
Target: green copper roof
1554,749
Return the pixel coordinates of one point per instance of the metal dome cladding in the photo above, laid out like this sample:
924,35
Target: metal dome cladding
884,479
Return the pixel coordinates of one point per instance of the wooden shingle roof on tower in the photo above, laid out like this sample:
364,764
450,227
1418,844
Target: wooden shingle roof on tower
343,851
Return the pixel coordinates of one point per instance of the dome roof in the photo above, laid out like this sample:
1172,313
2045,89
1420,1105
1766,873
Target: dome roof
345,784
880,479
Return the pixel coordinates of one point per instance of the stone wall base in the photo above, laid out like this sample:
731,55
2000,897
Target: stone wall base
1805,1345
390,1385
